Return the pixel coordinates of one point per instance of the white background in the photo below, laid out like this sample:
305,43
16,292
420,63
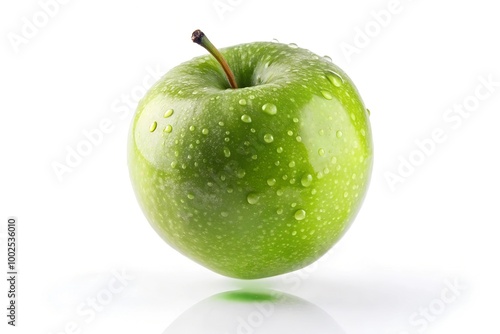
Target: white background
408,244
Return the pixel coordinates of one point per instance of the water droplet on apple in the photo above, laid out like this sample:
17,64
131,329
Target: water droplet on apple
293,45
295,120
245,118
333,160
327,58
279,211
339,134
168,128
205,131
279,192
300,214
271,182
153,126
192,128
242,102
298,138
321,152
173,164
321,132
224,214
279,149
227,152
291,164
270,109
240,173
335,78
346,194
326,95
168,113
275,40
268,138
251,97
306,180
221,123
190,196
368,111
289,132
252,198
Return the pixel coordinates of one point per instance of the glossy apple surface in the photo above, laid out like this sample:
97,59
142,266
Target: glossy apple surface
255,181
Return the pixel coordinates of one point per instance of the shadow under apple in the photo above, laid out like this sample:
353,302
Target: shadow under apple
254,312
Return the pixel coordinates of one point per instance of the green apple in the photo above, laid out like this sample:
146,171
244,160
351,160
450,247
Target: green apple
254,168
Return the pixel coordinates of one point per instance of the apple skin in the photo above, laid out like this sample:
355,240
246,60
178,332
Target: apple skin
255,181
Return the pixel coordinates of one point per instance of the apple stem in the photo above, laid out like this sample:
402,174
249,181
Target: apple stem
200,38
